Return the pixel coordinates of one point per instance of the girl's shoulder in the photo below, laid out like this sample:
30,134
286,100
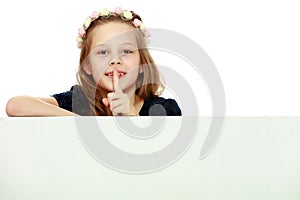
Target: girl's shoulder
159,106
73,100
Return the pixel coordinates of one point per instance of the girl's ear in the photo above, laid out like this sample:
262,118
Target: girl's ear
87,69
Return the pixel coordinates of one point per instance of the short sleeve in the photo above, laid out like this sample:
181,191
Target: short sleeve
73,100
171,107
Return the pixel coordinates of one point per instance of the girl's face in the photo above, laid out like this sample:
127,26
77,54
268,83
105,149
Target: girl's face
114,46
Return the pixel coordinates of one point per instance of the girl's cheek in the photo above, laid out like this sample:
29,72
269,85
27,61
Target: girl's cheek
100,71
99,65
97,75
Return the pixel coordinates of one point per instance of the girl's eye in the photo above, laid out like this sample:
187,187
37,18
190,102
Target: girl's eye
103,52
127,51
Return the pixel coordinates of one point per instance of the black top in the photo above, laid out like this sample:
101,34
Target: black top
75,101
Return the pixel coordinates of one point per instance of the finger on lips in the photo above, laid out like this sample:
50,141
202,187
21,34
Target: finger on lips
117,87
114,99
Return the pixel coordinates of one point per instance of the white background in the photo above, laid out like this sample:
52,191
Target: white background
255,46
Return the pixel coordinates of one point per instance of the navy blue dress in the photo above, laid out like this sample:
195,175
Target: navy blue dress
75,101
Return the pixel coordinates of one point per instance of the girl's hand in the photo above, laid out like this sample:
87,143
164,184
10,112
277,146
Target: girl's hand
118,102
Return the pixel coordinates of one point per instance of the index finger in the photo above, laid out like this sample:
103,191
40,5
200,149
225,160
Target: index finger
117,87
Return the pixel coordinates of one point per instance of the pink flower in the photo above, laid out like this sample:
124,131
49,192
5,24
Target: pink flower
79,45
118,10
136,22
147,33
81,32
95,15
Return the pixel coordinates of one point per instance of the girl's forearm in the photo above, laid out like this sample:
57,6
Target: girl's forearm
32,106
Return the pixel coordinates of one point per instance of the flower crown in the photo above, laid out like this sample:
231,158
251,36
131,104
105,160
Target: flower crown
106,13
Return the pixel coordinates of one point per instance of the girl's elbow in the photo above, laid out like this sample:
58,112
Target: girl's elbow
14,106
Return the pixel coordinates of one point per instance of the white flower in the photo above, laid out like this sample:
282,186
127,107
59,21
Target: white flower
127,15
105,12
87,22
79,39
142,26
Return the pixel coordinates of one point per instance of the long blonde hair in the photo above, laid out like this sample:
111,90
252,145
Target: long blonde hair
149,84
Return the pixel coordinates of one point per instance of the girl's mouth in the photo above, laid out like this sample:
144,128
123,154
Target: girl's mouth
111,74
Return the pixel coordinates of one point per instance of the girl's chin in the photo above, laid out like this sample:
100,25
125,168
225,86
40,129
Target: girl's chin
106,87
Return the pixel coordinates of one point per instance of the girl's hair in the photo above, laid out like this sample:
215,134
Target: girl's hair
149,83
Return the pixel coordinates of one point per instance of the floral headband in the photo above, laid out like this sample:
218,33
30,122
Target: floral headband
106,13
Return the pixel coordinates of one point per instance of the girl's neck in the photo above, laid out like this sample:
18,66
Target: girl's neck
135,100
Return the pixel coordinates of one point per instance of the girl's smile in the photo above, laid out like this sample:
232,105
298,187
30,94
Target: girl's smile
110,74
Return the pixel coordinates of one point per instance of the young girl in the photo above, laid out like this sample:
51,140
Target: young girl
116,74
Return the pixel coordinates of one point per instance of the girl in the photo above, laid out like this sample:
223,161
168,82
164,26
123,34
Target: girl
116,74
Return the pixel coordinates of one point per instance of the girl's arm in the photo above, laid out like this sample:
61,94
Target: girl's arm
33,106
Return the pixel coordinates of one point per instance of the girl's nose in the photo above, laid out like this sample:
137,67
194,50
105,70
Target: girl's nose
115,62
